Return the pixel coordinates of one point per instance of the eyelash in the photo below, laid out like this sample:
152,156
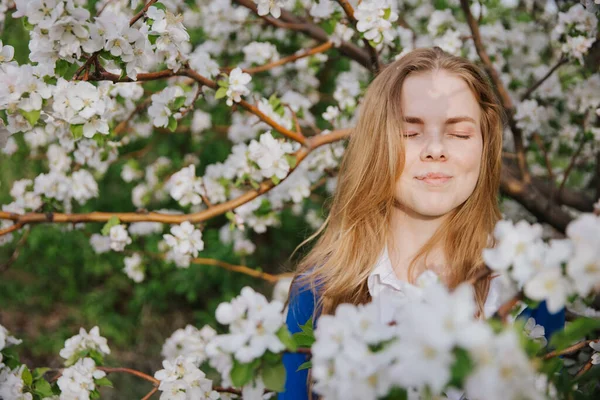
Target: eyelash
464,137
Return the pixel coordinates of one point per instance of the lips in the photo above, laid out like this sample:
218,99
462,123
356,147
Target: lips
434,178
433,175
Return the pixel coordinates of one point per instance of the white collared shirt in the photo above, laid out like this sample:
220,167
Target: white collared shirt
383,280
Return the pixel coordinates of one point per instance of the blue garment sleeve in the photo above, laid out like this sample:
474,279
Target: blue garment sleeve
551,322
300,309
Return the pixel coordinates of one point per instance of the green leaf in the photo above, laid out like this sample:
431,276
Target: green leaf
26,24
329,25
31,116
224,83
303,339
113,221
160,6
39,372
397,394
77,131
4,117
254,184
274,377
242,373
305,365
94,394
387,13
221,92
286,338
574,331
103,382
172,124
42,388
26,376
61,68
152,38
178,103
461,368
291,160
308,327
275,180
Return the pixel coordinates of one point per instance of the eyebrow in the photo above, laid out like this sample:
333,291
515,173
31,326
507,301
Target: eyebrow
449,121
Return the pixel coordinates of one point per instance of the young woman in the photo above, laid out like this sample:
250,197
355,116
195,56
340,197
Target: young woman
417,190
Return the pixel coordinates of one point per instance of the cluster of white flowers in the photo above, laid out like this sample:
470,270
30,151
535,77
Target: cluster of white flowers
272,7
172,35
84,341
241,245
374,20
260,53
237,85
77,381
160,110
134,267
80,103
119,237
253,322
596,356
185,187
185,241
536,266
575,29
268,154
322,9
531,116
189,342
363,352
181,379
60,30
11,383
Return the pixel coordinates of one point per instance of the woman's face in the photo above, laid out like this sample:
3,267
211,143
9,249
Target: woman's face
443,144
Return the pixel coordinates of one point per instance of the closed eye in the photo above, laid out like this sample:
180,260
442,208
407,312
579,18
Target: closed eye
410,134
461,136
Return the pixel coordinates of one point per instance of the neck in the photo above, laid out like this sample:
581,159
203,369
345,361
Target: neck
408,233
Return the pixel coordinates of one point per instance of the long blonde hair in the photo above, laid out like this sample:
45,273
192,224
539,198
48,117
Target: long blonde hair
356,229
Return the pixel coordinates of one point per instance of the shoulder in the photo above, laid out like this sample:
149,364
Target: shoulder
301,306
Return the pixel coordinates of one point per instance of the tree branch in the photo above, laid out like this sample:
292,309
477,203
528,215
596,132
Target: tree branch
536,85
500,88
315,50
375,62
316,32
128,217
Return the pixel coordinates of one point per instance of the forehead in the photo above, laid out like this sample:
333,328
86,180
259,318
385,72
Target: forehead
437,96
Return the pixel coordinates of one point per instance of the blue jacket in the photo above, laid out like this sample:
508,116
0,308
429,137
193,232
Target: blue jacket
301,306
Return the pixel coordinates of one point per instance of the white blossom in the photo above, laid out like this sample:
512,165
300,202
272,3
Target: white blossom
185,239
134,267
84,341
119,238
237,85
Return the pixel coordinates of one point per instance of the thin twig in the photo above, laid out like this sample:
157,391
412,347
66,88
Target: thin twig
15,254
237,268
142,12
130,371
570,349
536,85
375,62
154,390
315,50
570,166
500,88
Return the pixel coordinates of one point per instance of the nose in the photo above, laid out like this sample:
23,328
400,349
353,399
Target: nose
434,149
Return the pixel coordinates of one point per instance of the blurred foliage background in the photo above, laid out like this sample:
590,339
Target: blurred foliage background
52,282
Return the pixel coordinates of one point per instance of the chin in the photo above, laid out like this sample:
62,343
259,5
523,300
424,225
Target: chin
432,210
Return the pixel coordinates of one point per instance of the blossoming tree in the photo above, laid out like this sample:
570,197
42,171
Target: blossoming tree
106,80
